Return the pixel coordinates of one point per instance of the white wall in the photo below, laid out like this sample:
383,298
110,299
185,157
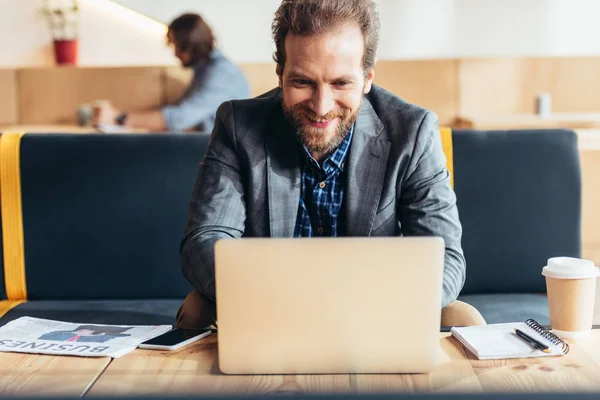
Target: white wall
110,34
411,29
114,35
242,27
23,38
245,34
416,29
495,28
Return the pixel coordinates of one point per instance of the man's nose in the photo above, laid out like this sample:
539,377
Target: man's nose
322,101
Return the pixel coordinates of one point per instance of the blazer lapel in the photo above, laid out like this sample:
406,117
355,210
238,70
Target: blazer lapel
367,165
283,177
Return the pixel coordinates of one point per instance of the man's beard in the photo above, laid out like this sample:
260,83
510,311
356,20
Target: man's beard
313,138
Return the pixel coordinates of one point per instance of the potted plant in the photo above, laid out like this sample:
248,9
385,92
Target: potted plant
62,17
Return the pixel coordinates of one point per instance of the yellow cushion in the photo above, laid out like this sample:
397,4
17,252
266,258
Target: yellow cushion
446,134
12,216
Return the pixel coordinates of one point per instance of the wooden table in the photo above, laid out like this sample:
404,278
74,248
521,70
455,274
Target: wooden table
35,375
194,370
534,121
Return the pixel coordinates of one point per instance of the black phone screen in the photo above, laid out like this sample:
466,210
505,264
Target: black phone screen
175,336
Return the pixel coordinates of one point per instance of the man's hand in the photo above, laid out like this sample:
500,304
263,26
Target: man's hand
104,113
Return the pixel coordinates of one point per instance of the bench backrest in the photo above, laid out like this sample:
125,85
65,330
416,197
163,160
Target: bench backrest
103,215
519,200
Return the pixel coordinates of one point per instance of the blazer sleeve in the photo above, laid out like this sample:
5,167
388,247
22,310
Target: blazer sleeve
217,207
428,204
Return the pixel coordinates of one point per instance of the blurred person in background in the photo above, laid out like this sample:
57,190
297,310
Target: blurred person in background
216,80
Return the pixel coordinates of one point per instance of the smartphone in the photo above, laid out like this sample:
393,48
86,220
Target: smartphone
175,339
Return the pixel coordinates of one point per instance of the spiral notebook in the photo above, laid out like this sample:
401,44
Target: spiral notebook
497,341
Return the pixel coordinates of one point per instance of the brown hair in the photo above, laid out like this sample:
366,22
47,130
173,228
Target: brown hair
191,33
310,17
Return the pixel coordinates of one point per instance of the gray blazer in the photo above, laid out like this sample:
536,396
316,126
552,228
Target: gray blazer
248,183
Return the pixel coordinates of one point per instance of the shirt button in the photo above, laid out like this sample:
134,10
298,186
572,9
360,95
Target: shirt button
322,185
320,230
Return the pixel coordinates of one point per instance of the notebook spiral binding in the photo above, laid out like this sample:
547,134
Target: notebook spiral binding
546,334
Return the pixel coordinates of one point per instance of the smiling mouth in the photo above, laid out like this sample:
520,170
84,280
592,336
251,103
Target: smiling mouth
320,124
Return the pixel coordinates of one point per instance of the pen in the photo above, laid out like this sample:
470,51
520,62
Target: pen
532,342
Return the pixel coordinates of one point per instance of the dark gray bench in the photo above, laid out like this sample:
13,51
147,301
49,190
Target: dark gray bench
103,217
519,199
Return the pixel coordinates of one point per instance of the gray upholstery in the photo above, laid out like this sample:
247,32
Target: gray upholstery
108,212
519,199
103,218
505,307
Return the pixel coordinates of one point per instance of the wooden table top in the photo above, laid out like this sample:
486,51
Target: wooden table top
36,375
534,121
194,370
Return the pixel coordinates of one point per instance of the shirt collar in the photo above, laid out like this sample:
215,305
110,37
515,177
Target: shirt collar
337,158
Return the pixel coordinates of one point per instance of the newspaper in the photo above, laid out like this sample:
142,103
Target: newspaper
44,336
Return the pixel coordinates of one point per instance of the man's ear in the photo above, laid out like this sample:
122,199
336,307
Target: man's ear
369,81
279,73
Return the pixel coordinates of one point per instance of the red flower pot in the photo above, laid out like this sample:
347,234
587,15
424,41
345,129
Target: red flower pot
65,52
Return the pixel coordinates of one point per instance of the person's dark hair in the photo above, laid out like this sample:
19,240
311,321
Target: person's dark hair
191,33
310,17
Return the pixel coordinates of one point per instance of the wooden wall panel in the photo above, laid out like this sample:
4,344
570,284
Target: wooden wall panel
575,84
589,154
261,77
504,86
432,84
175,81
52,95
475,88
8,97
489,87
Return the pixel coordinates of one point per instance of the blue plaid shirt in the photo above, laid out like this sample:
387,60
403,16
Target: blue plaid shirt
320,207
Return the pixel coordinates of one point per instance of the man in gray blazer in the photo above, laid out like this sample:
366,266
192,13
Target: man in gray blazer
327,153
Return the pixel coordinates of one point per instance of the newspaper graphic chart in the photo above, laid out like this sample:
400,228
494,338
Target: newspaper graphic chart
45,336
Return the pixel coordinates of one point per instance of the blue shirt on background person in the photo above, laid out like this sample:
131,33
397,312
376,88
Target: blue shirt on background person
215,81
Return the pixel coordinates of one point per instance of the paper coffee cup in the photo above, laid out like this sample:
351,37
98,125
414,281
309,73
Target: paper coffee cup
571,286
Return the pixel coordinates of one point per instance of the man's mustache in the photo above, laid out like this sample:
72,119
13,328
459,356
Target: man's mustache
302,110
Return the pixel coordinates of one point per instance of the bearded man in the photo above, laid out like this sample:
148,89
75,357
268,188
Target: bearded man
327,153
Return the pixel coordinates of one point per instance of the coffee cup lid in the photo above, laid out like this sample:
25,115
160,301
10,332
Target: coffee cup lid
570,268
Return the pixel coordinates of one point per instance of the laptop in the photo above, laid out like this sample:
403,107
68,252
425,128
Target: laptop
329,305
